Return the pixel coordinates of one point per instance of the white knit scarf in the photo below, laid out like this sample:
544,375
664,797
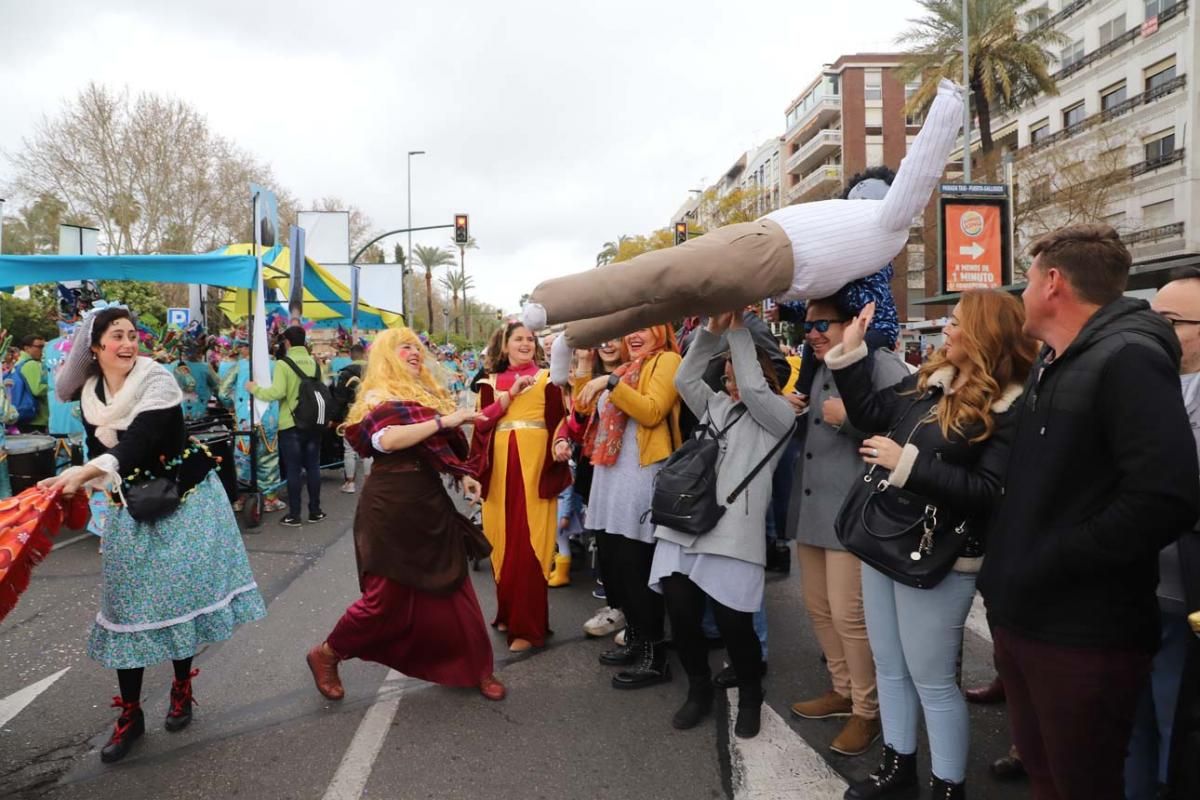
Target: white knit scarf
148,387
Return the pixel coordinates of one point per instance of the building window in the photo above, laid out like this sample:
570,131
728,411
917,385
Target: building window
1160,146
1156,7
1112,97
1117,221
1073,115
1072,53
1159,74
874,154
1039,131
874,118
872,84
911,88
1112,29
1039,190
1156,215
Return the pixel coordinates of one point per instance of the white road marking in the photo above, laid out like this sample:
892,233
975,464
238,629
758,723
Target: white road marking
72,540
352,774
977,620
16,702
778,764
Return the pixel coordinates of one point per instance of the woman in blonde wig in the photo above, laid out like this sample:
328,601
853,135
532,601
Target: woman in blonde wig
418,613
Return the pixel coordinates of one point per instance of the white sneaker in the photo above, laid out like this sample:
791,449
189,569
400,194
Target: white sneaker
348,487
605,621
619,639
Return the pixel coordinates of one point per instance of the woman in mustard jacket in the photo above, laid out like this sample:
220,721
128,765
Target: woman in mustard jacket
634,432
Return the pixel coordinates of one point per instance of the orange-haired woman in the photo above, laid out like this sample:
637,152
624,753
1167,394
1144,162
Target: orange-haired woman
634,432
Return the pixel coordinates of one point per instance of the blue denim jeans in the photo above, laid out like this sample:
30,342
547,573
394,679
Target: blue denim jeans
915,636
301,452
1150,745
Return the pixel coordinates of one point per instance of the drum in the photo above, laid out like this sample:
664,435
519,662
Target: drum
30,459
220,443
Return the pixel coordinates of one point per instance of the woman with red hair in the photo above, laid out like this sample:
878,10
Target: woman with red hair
634,432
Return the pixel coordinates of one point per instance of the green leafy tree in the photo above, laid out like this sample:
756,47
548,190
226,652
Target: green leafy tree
457,284
431,258
142,298
467,283
608,253
24,317
1009,56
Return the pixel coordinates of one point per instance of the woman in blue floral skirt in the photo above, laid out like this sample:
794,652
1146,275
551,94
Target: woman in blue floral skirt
176,577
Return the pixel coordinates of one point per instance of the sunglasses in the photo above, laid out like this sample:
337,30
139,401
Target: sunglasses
821,325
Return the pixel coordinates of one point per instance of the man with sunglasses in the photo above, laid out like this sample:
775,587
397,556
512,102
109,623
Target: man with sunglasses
831,577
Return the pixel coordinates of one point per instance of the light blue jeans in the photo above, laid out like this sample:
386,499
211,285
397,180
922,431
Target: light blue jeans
915,636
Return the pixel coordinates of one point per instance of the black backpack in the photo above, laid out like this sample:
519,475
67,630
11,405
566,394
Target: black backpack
685,489
345,391
314,401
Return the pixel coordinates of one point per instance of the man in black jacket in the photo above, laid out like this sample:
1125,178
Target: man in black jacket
1103,475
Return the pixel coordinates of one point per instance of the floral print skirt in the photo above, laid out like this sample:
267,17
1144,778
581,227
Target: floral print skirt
171,586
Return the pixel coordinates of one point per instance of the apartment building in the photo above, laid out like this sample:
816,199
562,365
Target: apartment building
1113,144
848,118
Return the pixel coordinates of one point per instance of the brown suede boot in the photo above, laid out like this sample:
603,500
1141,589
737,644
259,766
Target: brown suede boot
830,704
857,737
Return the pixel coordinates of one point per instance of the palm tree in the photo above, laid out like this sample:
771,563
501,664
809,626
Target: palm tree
467,283
431,258
1009,64
607,255
457,283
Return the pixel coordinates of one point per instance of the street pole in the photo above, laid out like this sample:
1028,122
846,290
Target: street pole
408,253
966,48
1,233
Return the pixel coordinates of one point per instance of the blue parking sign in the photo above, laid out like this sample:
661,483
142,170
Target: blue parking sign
179,317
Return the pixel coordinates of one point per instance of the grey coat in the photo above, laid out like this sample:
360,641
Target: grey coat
830,462
741,532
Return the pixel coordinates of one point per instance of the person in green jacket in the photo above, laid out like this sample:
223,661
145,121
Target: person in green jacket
300,450
30,365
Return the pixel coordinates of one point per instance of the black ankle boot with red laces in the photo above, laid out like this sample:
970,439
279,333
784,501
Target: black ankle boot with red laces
129,728
180,713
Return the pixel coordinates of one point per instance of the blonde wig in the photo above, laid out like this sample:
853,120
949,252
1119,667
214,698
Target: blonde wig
388,378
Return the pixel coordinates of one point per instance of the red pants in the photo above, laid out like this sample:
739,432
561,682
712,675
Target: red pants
521,601
437,638
1071,711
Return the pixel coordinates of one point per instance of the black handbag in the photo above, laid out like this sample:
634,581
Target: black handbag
151,500
897,532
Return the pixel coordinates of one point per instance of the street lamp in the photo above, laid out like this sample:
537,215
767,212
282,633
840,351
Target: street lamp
408,255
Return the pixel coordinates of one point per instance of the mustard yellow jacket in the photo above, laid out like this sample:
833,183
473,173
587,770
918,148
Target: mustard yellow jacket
654,406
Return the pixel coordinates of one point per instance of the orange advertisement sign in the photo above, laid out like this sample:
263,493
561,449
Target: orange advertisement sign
974,236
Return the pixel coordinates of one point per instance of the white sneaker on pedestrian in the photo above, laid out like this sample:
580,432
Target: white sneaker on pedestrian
619,639
348,487
605,621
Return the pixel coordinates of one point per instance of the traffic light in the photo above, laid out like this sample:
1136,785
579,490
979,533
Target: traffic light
680,232
499,316
460,229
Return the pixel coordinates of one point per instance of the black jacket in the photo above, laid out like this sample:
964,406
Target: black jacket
952,472
1103,475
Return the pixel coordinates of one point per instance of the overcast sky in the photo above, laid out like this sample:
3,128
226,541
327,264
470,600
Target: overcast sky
555,125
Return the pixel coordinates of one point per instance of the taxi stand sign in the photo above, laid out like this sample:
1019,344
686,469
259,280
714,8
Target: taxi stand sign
974,237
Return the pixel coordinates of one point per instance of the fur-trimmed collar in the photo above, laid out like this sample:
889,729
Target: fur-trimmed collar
943,378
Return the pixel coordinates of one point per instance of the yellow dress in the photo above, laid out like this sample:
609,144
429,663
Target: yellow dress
525,420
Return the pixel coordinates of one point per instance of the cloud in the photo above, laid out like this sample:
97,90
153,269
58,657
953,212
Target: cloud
556,126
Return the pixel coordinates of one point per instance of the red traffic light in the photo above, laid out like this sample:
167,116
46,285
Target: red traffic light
681,232
461,235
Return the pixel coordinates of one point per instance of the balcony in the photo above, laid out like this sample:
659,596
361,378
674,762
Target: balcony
824,177
1141,168
815,150
1144,98
1116,44
1147,235
822,113
1042,195
1067,11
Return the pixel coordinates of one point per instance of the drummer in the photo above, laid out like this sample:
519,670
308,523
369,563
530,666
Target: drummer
8,416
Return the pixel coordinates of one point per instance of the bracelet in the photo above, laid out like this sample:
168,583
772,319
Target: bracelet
438,420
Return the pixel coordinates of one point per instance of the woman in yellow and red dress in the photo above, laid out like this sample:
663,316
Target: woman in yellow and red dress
522,472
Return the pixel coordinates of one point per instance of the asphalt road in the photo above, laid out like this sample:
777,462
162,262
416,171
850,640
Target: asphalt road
262,731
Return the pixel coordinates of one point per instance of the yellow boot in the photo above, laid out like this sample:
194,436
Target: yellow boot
561,574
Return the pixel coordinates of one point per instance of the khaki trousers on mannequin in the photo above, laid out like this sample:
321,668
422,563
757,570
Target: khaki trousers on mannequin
832,581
